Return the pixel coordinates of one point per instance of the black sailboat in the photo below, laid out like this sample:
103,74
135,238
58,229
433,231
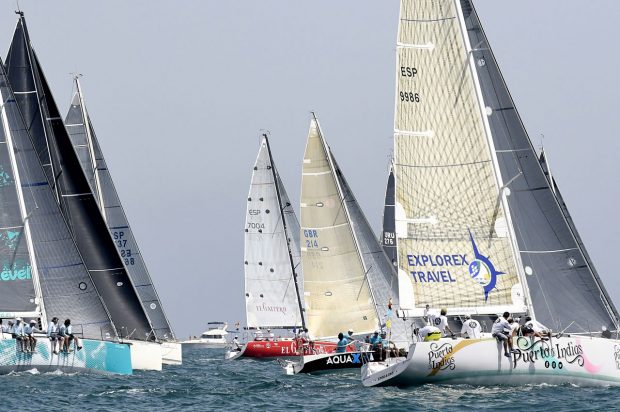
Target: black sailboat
71,188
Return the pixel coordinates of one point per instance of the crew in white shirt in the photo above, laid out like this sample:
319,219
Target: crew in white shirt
428,333
471,328
502,331
442,322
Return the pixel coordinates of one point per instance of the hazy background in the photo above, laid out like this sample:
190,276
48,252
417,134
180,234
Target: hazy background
179,91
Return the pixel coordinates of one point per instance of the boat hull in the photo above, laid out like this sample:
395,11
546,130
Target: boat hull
145,356
583,361
171,353
95,356
328,362
286,348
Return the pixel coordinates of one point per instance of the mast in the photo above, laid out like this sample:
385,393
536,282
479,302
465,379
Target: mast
91,151
288,244
24,215
503,189
346,210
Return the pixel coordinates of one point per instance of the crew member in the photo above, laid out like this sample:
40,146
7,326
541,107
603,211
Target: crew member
471,328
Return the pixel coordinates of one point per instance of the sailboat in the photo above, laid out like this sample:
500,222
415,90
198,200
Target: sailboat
480,228
42,272
94,166
349,282
79,207
273,277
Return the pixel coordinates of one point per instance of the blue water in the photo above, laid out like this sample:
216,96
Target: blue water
205,382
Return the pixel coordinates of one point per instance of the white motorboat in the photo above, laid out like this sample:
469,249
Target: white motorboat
213,337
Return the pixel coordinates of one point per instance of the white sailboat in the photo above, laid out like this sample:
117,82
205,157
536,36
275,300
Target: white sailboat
479,227
273,278
348,280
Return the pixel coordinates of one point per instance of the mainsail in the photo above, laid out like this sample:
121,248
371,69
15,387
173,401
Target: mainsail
272,271
453,228
336,288
94,166
71,188
64,283
388,235
566,292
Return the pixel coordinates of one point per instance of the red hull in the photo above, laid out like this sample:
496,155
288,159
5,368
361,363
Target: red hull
285,348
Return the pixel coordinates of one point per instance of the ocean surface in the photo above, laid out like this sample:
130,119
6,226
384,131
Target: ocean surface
206,381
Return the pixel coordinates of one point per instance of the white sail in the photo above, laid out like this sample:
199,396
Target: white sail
337,293
454,243
271,294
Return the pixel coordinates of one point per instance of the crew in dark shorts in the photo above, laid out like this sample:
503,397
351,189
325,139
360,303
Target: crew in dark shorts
67,332
54,336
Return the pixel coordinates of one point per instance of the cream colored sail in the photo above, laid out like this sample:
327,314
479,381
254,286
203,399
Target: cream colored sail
336,290
454,243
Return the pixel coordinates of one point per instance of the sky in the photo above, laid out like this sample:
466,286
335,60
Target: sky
179,93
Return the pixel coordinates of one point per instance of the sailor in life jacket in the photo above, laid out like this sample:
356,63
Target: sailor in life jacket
471,328
427,333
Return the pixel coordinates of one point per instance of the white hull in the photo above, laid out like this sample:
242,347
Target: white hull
171,353
146,356
204,343
581,360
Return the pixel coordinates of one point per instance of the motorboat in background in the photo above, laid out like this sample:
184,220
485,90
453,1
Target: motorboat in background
213,337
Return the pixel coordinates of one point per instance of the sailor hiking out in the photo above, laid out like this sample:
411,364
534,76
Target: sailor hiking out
502,331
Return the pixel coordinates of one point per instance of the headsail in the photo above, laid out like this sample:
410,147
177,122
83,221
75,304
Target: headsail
452,225
72,190
66,286
380,272
94,166
336,287
555,262
272,264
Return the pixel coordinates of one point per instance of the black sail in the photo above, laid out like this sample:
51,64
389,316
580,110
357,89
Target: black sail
72,189
100,180
388,236
566,292
66,286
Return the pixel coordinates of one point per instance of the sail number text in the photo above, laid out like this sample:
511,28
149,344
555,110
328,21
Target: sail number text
121,245
410,97
311,237
408,71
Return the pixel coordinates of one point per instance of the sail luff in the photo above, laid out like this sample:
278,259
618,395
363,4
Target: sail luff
276,179
492,151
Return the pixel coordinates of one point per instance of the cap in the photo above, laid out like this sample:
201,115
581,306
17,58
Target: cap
33,321
377,332
467,316
18,319
350,330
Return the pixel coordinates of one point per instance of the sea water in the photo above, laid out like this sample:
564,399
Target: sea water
206,381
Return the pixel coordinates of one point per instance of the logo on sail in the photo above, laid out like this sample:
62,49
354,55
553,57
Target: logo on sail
10,239
482,270
5,178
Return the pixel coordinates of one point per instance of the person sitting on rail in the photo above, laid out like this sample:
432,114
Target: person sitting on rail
18,334
29,331
503,333
53,336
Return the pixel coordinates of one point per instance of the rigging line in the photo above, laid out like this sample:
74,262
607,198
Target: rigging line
443,166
